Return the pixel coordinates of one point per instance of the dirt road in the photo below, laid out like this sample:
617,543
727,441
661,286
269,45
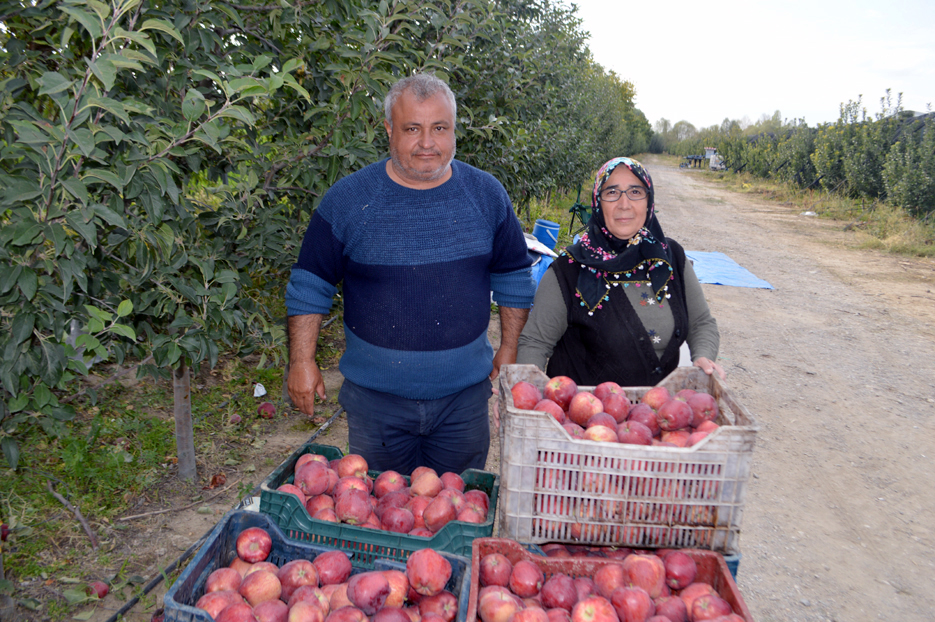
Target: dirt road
837,363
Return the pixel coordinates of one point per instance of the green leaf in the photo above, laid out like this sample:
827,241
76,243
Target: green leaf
124,330
104,175
211,76
138,38
21,189
19,403
162,26
84,615
53,82
41,395
292,64
100,8
100,314
84,138
114,107
105,71
108,215
28,283
295,86
8,278
91,23
26,233
193,106
76,596
76,188
240,113
125,308
10,451
21,328
87,230
261,61
241,84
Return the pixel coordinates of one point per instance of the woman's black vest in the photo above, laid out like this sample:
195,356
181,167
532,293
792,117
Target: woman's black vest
612,344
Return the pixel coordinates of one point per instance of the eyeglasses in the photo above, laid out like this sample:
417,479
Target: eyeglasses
634,193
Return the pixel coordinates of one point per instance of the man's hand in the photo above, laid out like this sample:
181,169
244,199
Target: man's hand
505,356
710,367
304,382
512,321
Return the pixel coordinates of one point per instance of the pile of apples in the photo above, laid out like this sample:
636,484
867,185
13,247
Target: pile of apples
607,415
641,588
340,491
323,589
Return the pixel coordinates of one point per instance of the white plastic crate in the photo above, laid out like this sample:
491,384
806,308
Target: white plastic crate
554,488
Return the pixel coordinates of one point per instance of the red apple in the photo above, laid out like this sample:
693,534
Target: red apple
292,489
455,496
312,479
679,438
254,544
312,594
693,591
583,406
494,569
478,497
709,606
428,572
417,506
326,514
594,609
671,607
585,587
694,438
453,480
558,615
603,419
617,405
438,513
526,579
656,397
704,408
388,481
559,591
525,395
674,415
444,604
426,485
333,567
552,408
633,604
397,520
348,613
318,502
685,393
237,612
338,597
352,465
645,571
497,604
391,614
269,566
707,426
260,586
223,579
645,415
273,611
422,532
98,588
266,410
634,433
574,430
346,484
560,390
368,591
531,613
472,514
353,507
240,566
421,470
306,611
215,602
296,573
604,389
395,499
399,587
608,578
600,433
680,570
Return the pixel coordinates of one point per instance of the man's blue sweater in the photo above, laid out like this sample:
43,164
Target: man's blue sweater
418,267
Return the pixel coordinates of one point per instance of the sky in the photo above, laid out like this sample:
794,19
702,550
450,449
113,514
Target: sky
703,62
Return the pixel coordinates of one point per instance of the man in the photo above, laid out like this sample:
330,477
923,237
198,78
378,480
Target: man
419,241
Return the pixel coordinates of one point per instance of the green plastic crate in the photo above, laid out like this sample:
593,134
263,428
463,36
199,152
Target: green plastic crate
221,547
364,544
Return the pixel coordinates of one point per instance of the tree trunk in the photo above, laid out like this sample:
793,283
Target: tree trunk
184,432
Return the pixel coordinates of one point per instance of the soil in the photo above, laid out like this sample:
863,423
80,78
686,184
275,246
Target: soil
835,364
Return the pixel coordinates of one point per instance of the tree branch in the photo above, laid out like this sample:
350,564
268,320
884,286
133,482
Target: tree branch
77,513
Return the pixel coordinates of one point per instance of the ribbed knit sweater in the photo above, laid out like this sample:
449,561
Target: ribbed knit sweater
418,268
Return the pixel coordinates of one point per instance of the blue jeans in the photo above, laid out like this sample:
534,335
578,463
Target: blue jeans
394,433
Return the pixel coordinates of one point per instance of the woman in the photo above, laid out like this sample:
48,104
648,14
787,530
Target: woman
617,305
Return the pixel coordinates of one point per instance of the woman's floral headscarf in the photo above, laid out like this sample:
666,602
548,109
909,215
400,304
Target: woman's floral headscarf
607,260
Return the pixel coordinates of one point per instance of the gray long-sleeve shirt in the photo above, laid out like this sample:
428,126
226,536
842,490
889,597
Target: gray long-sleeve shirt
548,320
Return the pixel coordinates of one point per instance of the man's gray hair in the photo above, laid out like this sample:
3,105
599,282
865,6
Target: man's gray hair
423,86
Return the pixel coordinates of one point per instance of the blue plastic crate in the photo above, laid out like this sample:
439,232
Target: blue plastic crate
221,547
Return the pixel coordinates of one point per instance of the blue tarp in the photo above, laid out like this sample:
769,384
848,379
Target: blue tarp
719,269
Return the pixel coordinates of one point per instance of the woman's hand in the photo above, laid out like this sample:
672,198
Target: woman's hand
709,367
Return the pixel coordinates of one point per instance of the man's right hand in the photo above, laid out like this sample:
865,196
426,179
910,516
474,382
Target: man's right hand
304,382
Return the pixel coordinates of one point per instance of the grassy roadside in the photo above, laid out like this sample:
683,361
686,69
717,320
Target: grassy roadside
878,225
